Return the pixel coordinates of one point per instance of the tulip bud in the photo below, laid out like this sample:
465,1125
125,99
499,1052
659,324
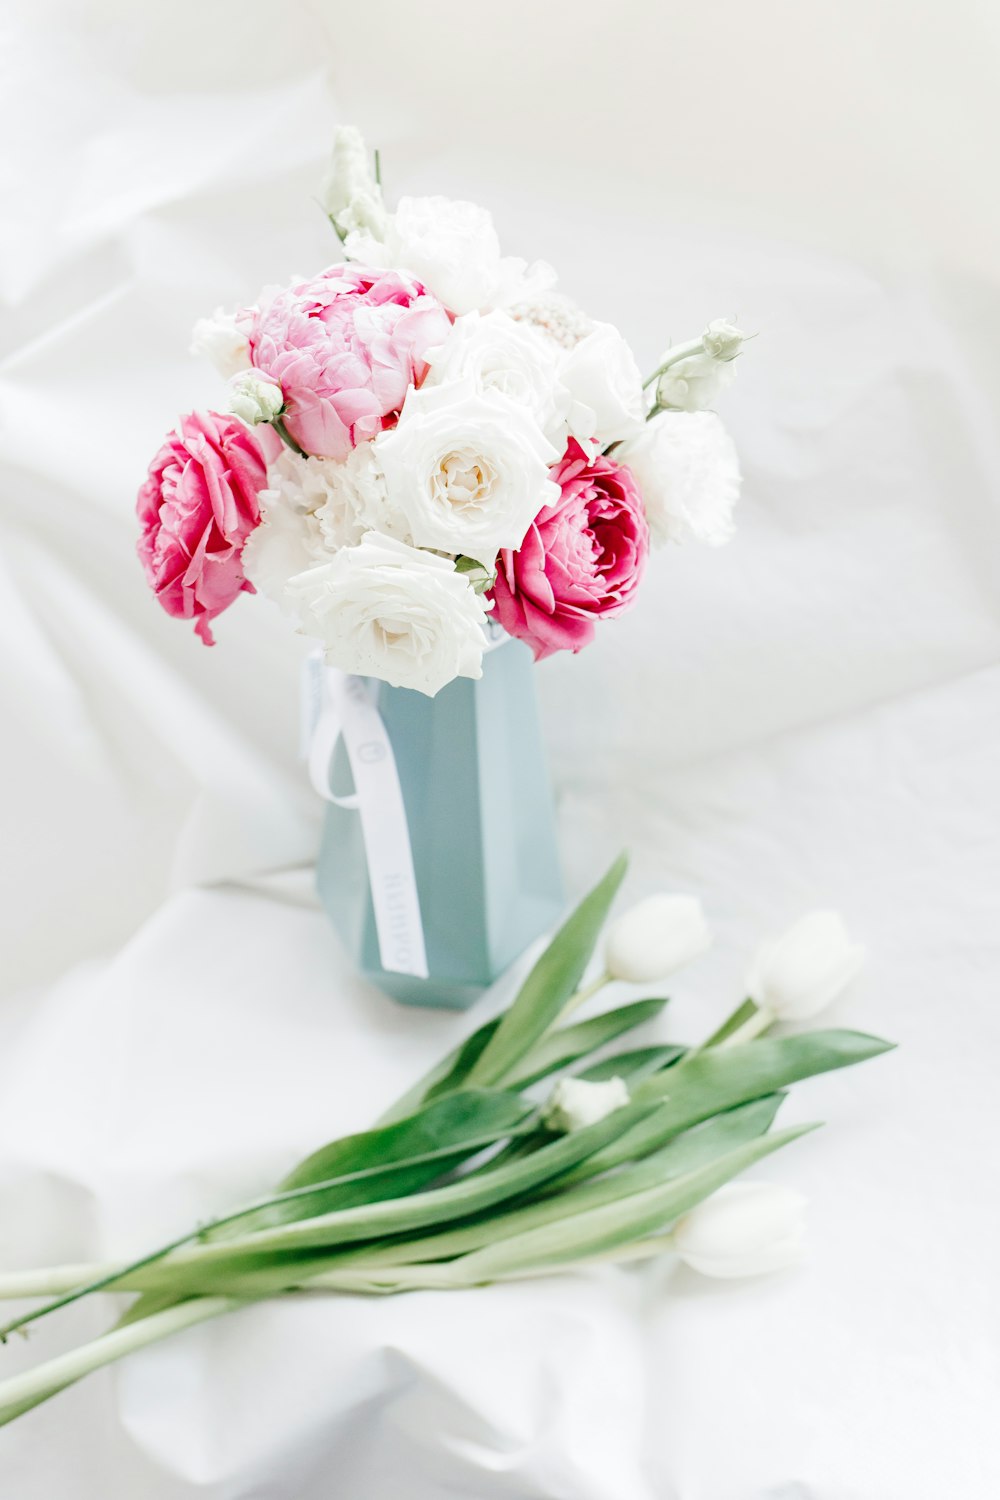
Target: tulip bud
722,339
655,937
253,398
745,1229
220,341
800,973
574,1102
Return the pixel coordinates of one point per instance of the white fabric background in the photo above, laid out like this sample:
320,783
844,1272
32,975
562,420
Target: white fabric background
807,717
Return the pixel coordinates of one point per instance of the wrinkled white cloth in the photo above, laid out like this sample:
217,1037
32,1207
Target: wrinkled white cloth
808,717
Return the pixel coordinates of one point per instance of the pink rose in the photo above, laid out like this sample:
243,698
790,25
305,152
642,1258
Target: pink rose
197,508
344,347
581,560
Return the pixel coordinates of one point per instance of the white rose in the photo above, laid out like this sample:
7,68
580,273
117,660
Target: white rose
605,384
798,974
384,609
219,340
575,1102
495,353
351,195
686,467
254,398
655,937
745,1229
695,383
468,470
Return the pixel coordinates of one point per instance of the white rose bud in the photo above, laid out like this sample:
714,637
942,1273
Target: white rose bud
220,341
695,383
722,339
351,195
575,1103
745,1229
656,937
800,973
253,398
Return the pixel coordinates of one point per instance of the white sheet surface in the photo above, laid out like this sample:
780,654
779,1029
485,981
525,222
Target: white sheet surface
807,717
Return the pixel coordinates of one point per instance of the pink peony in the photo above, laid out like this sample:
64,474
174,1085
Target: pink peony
344,347
197,508
581,560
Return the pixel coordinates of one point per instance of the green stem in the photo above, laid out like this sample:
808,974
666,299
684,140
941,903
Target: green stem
22,1392
752,1027
113,1276
584,993
287,438
674,356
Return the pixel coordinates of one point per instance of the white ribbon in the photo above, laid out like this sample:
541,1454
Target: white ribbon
337,706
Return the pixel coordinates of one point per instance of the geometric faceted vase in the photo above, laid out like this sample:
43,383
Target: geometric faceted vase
475,786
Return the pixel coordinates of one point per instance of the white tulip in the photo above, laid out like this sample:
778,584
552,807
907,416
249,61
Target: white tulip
745,1229
219,340
798,974
575,1102
655,937
254,398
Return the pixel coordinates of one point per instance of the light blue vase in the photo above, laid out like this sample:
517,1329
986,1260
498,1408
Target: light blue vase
478,804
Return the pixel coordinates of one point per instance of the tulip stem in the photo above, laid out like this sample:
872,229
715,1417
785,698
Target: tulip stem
584,993
762,1018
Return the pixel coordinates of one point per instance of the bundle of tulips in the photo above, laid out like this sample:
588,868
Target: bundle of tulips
473,1177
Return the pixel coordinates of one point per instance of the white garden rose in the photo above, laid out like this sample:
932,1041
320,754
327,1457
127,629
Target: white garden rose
468,469
695,383
689,475
605,385
452,247
385,609
221,342
495,353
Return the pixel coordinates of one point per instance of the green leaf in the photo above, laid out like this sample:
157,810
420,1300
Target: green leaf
632,1066
704,1083
731,1024
458,1125
558,1049
397,1216
554,980
446,1076
621,1222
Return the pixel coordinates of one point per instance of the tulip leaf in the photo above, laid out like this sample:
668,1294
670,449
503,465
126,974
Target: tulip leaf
620,1221
552,982
392,1158
455,1200
632,1066
703,1083
558,1049
446,1076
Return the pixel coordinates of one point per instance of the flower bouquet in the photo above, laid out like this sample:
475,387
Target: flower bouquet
439,468
477,1175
